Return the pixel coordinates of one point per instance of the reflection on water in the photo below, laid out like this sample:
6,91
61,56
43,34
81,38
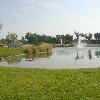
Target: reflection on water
29,57
90,55
97,54
59,58
40,55
78,56
12,59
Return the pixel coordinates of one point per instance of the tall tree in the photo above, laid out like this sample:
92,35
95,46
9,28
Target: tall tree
11,37
32,38
88,37
68,39
77,35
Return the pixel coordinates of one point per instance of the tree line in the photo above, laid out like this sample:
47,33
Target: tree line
34,38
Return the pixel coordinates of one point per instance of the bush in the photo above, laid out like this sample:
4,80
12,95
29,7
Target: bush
44,48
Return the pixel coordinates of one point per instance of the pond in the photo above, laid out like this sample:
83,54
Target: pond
60,58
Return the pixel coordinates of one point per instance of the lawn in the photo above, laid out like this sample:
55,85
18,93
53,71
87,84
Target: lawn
47,84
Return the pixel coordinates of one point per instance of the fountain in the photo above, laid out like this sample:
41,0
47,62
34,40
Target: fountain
61,41
78,36
79,45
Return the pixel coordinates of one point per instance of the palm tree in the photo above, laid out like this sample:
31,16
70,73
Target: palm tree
77,35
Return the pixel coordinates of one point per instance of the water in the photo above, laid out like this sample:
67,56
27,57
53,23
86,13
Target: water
61,58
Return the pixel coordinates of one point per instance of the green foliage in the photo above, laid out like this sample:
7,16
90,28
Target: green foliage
88,37
32,38
42,84
67,39
11,37
97,36
36,38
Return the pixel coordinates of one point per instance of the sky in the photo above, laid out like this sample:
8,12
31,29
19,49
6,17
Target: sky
49,17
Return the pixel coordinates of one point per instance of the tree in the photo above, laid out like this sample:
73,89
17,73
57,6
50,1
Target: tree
60,38
11,37
77,35
68,39
32,38
3,41
97,36
88,37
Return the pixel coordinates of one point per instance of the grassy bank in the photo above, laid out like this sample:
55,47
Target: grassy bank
42,48
4,51
42,84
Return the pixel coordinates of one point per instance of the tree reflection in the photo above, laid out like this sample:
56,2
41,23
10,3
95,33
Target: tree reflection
81,56
97,54
89,54
40,55
18,58
77,57
14,59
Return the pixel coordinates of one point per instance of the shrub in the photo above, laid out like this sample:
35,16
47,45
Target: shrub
44,48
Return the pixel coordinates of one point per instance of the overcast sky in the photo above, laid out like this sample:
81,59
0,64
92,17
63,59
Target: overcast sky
50,16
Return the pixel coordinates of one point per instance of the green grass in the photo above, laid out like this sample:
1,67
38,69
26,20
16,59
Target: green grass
4,51
43,84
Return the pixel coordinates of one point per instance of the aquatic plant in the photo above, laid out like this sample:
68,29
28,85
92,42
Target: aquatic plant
42,48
